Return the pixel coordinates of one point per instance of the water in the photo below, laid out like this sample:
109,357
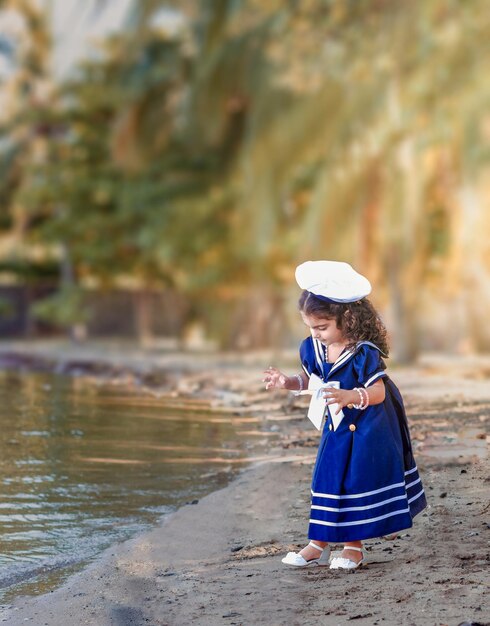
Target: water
84,466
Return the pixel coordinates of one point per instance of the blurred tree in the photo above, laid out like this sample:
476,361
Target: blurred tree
212,146
381,99
127,209
25,86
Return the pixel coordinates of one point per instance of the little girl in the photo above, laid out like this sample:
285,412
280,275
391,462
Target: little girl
365,481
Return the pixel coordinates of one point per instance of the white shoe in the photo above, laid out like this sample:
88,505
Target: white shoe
296,560
343,563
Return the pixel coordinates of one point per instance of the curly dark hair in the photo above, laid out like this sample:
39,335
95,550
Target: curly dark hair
359,321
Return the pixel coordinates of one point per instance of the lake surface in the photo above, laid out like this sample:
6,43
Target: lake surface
83,466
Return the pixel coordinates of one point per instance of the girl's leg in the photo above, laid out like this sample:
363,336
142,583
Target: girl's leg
352,555
309,552
315,553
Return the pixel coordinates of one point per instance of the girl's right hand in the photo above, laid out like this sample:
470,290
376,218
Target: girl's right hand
274,379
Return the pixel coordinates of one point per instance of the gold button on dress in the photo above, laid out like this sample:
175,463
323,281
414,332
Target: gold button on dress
352,427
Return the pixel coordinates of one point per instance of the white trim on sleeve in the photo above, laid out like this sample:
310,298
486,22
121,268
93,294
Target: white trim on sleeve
373,378
306,371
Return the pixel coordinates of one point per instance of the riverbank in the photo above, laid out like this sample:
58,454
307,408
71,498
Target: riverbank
218,561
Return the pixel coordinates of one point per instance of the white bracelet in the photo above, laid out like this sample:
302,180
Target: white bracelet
361,398
367,398
300,382
364,397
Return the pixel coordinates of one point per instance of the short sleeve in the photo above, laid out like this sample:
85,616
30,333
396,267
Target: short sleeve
368,365
309,358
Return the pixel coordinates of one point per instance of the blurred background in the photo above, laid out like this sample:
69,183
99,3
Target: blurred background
164,166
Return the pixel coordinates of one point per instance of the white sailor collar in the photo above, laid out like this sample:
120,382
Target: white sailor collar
344,357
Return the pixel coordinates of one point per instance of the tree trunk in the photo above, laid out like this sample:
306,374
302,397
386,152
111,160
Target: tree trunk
77,332
143,302
258,321
404,324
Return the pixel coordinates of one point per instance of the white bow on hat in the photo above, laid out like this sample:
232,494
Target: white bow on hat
334,281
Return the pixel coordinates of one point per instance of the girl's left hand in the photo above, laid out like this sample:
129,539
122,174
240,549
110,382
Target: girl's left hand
342,397
274,378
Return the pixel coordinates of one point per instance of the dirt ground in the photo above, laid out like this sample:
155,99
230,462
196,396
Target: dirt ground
219,561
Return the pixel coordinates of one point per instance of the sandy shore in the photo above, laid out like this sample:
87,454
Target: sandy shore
218,561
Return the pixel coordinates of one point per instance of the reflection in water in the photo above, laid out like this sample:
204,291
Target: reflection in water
83,466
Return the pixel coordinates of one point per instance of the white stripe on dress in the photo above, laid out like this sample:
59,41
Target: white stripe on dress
357,495
319,356
357,508
411,471
362,521
341,360
420,493
412,484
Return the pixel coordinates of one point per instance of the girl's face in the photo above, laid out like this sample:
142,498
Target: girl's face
323,329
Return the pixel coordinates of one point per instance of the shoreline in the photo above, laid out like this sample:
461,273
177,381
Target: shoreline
219,561
151,558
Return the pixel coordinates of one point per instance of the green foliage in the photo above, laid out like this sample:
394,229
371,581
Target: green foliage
30,272
256,134
64,308
7,308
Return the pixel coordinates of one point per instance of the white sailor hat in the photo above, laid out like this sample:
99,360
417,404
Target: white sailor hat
333,281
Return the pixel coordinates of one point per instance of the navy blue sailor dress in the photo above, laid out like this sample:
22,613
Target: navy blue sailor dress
365,482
